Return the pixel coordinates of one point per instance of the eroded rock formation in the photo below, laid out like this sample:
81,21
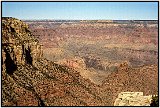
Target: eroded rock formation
30,80
132,99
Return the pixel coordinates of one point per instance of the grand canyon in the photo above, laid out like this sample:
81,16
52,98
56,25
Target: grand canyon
97,47
79,62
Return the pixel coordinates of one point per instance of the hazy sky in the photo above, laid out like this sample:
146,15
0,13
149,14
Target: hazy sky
81,10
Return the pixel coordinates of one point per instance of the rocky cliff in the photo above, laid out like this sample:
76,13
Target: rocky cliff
30,80
18,44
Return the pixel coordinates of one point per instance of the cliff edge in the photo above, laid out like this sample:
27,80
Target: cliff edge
30,80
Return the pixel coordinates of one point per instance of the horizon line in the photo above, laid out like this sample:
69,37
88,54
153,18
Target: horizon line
87,19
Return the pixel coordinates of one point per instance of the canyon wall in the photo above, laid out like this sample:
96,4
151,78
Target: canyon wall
28,79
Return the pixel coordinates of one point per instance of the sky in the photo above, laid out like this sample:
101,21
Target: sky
81,10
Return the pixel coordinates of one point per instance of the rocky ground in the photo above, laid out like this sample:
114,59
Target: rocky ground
28,79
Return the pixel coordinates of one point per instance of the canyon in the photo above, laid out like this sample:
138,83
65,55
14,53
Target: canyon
77,62
97,47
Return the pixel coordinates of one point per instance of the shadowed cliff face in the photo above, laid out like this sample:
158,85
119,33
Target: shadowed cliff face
30,80
9,63
28,56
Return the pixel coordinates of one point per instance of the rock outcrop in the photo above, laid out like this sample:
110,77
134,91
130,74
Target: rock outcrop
19,43
30,80
132,99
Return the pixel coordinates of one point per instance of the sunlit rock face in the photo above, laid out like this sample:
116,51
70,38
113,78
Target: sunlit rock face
30,80
132,99
18,42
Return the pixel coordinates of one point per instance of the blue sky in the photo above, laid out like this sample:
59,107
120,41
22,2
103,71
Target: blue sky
81,10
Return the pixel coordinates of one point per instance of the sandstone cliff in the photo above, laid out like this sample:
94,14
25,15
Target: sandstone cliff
30,80
18,44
